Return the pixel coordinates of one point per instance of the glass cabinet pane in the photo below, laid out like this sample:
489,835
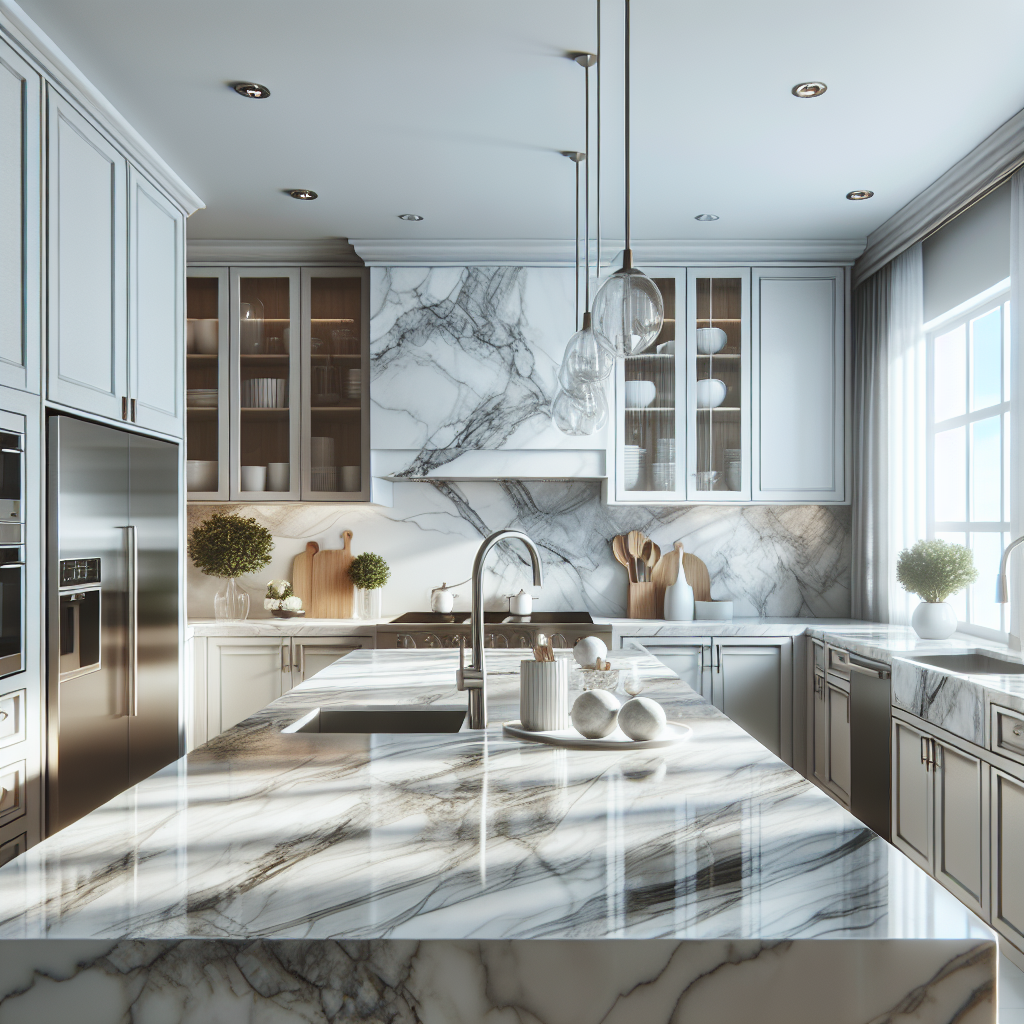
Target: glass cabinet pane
203,384
650,451
265,385
719,385
334,424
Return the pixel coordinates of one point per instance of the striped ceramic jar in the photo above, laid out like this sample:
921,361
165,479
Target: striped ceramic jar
544,694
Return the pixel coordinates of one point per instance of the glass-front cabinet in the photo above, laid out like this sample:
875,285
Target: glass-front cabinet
277,401
683,406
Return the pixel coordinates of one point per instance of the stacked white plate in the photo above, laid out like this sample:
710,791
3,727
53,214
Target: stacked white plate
633,460
665,449
201,398
322,471
265,393
664,474
354,384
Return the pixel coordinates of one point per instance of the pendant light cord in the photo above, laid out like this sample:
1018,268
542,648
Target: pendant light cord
577,320
626,123
597,125
586,214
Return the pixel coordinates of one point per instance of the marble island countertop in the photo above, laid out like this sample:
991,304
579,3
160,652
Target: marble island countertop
251,867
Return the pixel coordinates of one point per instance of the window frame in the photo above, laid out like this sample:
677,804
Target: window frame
995,298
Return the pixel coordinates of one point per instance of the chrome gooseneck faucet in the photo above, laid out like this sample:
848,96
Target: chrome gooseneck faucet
1002,587
474,676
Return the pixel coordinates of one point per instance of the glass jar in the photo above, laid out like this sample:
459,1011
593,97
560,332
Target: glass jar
368,603
231,602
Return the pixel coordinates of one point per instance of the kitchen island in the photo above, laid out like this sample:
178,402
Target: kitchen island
470,877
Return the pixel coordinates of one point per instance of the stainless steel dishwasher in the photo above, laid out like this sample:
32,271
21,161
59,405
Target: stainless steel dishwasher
870,732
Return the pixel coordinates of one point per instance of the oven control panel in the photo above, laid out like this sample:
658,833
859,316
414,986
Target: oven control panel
79,572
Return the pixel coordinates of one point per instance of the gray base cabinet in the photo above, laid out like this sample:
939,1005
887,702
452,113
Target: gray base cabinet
234,677
749,679
1007,802
828,728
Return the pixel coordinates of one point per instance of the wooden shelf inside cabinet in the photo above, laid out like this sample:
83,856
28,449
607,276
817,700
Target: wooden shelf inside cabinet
722,408
201,357
264,357
650,408
201,410
259,413
719,355
334,409
323,357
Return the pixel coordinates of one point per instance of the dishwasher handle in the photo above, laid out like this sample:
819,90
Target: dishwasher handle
869,668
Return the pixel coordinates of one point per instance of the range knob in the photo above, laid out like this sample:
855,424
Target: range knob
431,640
404,640
558,640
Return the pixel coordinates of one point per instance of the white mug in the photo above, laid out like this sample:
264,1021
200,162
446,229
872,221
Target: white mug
254,478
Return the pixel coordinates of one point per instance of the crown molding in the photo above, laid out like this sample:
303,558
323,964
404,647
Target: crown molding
56,67
986,166
334,252
557,252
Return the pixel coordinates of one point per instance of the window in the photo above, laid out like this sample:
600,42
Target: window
968,416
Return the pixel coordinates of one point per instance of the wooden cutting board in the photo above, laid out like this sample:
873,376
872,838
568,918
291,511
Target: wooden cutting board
333,593
302,576
697,576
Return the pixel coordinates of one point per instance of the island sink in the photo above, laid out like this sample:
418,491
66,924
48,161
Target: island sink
971,664
380,719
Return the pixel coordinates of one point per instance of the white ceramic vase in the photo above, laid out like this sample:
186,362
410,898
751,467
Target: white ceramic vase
934,620
679,596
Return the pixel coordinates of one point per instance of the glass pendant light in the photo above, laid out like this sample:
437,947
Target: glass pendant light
628,310
579,413
586,359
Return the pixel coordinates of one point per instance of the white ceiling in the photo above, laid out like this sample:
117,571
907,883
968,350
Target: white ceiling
458,109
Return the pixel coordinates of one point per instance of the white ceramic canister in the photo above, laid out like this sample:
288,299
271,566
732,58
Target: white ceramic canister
520,604
679,596
442,599
544,694
934,620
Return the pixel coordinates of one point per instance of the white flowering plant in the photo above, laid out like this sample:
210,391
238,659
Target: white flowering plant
280,596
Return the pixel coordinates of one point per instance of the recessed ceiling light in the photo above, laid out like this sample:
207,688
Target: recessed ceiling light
253,90
301,193
705,217
409,216
860,193
808,90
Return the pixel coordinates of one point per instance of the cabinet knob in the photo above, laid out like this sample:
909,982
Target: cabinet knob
1017,730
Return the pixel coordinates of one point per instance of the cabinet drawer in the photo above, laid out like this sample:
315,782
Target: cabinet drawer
13,848
1007,735
12,717
12,791
839,662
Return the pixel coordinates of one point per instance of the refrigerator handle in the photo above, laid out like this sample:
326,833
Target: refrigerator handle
132,537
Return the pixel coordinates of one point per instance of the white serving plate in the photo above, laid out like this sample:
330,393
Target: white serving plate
617,740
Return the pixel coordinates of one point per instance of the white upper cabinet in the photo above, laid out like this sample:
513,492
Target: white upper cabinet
20,223
799,436
743,395
156,308
87,280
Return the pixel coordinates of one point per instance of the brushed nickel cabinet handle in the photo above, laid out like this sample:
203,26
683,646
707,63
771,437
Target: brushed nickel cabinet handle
124,407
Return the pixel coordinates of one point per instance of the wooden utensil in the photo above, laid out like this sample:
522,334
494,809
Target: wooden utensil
652,555
622,556
635,546
302,575
697,576
333,592
664,575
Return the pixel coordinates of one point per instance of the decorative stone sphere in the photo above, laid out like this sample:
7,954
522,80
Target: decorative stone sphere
589,650
593,713
642,718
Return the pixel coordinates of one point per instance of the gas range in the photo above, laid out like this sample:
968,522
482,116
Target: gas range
501,630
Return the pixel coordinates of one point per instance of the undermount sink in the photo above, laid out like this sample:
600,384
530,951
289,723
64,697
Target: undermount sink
380,719
971,664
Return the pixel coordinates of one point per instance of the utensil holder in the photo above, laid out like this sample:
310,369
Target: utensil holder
642,601
544,694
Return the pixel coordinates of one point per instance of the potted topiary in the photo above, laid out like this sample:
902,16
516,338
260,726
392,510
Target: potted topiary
230,546
935,570
369,573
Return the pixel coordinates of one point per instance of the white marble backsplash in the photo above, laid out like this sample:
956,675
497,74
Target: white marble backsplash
770,560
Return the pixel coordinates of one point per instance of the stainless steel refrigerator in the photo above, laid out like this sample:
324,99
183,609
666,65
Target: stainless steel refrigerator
113,613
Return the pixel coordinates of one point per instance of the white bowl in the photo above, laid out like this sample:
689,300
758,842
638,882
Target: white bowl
254,478
718,610
640,393
200,475
667,348
710,393
711,340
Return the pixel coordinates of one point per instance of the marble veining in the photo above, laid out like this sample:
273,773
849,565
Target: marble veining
948,700
405,878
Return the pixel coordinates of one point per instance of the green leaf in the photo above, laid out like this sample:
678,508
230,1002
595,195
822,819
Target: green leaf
935,569
229,546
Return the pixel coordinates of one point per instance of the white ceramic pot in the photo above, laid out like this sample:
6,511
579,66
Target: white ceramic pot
934,620
442,600
200,475
640,393
278,476
710,340
254,478
710,393
713,610
521,603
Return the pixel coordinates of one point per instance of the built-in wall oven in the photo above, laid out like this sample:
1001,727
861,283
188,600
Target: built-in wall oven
12,552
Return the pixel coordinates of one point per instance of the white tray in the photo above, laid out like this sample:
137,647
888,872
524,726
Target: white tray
616,740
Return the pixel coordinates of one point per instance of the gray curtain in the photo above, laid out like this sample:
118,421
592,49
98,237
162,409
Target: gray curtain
869,598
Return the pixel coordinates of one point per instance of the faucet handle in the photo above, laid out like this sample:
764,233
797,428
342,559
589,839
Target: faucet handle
467,678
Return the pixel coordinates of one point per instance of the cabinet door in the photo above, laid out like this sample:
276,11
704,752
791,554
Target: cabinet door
335,384
87,329
686,660
20,223
747,685
718,385
961,825
837,704
207,385
650,408
311,654
1008,855
156,329
911,793
243,675
799,392
265,393
819,730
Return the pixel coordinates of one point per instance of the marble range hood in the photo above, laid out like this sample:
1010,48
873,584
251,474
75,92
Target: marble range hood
463,367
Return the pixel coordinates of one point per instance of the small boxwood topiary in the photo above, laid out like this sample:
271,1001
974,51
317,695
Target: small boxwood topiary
368,571
228,546
935,569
